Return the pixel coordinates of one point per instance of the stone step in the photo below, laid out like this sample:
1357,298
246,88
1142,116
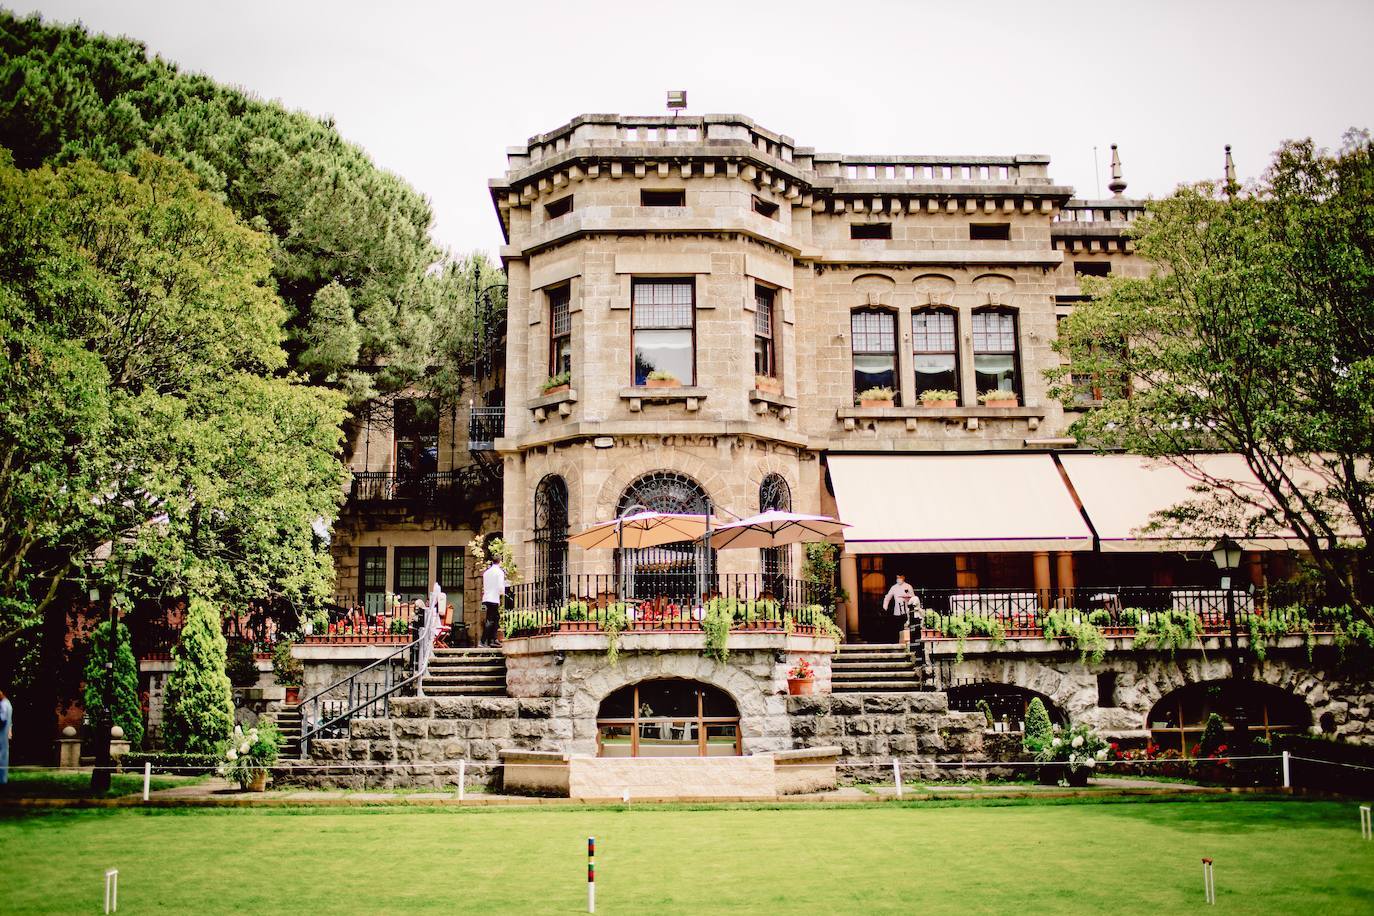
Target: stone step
848,676
875,687
867,659
844,664
476,681
455,691
469,653
452,666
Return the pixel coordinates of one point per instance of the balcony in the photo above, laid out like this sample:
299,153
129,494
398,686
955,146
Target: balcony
485,426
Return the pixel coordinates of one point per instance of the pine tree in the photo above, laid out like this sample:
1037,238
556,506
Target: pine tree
127,711
1039,732
199,713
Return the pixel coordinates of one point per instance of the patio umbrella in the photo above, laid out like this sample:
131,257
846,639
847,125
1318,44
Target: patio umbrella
643,529
776,528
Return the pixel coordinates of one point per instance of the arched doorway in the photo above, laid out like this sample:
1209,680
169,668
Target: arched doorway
551,538
671,717
1177,721
676,571
1006,701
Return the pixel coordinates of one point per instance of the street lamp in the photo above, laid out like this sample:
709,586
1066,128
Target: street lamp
101,774
1226,554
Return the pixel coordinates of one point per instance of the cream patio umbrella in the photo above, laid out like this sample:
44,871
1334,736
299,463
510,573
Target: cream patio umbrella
646,529
776,528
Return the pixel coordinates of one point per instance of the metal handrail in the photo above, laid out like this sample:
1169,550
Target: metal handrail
356,689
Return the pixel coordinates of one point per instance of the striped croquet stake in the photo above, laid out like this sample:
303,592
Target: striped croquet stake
591,874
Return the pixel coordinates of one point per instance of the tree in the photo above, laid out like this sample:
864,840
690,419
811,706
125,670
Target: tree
198,715
1039,731
1254,335
127,711
144,405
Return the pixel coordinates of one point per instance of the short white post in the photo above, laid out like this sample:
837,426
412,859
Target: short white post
1366,828
147,778
591,874
625,796
1287,781
111,890
897,775
1209,887
462,778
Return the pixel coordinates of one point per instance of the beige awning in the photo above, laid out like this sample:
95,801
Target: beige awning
1121,494
955,504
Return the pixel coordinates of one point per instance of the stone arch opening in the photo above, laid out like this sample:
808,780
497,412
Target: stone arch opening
668,717
1177,721
1007,702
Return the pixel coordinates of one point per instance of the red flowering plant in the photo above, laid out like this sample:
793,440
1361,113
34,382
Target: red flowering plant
801,671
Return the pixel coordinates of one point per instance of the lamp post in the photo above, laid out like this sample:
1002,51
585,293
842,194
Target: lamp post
100,775
1227,556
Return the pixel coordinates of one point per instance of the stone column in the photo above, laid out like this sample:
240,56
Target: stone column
1041,566
849,581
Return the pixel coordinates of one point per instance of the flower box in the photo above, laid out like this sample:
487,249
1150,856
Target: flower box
1005,399
770,385
662,383
801,686
556,389
876,402
578,626
940,404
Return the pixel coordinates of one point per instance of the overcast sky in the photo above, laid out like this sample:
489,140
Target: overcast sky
436,91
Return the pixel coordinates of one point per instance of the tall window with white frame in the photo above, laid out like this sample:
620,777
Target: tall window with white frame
995,357
765,338
560,331
874,335
663,326
935,350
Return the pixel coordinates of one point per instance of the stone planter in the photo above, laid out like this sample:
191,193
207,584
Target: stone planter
940,404
875,402
801,686
662,383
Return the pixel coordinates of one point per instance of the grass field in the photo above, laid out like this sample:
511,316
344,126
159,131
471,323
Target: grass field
47,784
1273,856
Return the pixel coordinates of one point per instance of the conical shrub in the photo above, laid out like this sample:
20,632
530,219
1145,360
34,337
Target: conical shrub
199,712
126,712
1039,732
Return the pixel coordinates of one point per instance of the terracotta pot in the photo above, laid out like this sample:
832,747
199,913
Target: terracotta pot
945,403
258,783
801,686
578,626
556,389
874,402
662,383
293,694
1005,402
771,385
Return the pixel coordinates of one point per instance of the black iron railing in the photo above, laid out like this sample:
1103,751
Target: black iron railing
366,693
664,600
485,426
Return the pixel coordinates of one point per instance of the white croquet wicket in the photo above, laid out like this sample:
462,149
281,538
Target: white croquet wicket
1366,828
111,890
1209,887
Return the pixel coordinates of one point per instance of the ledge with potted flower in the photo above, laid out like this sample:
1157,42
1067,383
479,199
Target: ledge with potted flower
998,398
247,756
801,679
555,384
940,398
289,670
661,379
877,397
768,384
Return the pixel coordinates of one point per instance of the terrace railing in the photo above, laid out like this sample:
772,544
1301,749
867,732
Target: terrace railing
485,426
663,600
366,693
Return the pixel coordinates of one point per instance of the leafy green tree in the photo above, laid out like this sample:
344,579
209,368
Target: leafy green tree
199,713
127,711
1255,335
1039,732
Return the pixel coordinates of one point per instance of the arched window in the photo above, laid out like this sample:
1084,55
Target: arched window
668,718
551,537
1008,702
996,360
673,571
935,350
775,562
1177,721
874,347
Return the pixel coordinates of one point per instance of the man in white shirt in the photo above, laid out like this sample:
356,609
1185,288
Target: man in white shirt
903,599
493,590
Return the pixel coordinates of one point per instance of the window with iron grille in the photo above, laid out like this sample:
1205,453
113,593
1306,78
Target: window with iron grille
551,536
775,562
669,570
995,357
663,318
412,571
935,350
874,336
765,343
451,570
560,330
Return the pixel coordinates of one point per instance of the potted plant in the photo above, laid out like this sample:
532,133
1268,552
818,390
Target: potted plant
997,398
247,756
768,383
876,397
1075,750
660,379
801,679
556,383
939,397
288,669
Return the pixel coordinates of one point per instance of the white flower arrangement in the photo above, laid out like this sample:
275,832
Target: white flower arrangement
247,756
1077,741
1078,747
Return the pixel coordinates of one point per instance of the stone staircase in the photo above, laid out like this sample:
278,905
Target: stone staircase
875,668
288,720
466,673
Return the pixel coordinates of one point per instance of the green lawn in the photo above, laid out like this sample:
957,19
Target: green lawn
47,784
1273,856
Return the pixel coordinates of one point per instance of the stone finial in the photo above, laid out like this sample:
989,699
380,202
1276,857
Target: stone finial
1117,184
1231,184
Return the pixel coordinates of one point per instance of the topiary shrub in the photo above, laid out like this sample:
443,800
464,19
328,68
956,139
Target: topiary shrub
199,712
1213,736
1039,732
127,712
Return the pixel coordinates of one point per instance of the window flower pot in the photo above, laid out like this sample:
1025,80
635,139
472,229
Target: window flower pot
801,686
578,626
940,404
1009,401
771,385
875,402
662,383
556,389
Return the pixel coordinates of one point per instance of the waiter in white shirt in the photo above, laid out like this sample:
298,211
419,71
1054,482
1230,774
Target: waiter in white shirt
903,599
493,590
